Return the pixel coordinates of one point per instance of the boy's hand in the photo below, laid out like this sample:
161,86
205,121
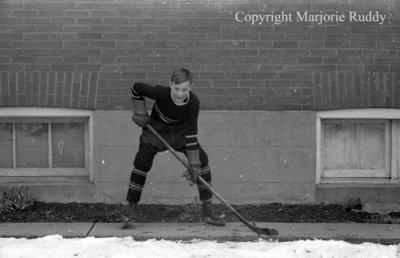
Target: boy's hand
192,174
141,119
140,115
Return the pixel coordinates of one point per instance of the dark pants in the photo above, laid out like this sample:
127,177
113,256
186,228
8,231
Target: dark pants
149,146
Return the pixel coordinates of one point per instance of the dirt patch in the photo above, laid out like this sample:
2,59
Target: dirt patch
274,212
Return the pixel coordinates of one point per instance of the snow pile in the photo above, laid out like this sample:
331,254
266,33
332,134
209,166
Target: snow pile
57,246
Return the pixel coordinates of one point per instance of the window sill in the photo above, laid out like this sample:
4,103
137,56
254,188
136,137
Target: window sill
44,172
346,182
48,180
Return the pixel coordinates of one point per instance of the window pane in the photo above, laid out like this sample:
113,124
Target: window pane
68,145
6,145
340,146
32,145
372,146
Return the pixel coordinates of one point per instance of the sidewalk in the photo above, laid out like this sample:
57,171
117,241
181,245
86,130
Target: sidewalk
350,232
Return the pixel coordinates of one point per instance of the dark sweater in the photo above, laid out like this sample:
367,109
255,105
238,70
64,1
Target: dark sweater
167,112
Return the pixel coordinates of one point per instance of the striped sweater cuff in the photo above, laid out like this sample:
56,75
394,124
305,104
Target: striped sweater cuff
135,95
191,142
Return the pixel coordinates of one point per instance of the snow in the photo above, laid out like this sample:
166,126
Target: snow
57,246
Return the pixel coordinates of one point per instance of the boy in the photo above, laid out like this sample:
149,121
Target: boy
174,116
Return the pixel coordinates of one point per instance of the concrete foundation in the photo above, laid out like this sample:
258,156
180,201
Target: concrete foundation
255,157
375,193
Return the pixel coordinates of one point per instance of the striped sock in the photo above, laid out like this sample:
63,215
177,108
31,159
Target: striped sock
136,184
204,193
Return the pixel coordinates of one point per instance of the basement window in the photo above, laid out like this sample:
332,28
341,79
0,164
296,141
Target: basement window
356,146
45,142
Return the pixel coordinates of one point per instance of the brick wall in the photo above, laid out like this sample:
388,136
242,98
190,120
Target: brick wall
86,54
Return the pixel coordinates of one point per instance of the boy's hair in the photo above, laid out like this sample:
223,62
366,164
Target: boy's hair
181,75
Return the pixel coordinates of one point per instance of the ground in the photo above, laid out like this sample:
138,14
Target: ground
274,212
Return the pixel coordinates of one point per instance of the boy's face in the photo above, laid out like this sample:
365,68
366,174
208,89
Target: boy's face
180,91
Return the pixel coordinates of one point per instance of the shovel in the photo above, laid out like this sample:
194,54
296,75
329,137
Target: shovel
252,227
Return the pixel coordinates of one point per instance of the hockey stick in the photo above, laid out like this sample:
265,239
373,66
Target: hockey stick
253,227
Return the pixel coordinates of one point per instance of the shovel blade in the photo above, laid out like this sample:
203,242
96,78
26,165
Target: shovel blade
263,231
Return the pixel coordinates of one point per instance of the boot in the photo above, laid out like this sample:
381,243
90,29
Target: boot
130,217
209,215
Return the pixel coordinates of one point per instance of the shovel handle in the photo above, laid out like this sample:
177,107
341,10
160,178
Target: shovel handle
173,152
